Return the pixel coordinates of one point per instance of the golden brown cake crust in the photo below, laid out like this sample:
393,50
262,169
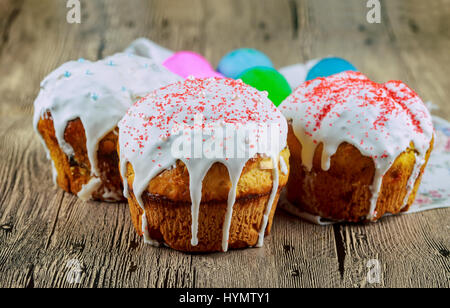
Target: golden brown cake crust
168,207
75,172
170,222
343,192
256,179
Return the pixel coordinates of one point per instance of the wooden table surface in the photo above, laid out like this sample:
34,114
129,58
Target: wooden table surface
42,228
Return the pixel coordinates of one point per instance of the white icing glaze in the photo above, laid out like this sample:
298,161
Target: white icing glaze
99,94
54,173
200,110
381,120
283,166
413,178
88,189
273,194
147,239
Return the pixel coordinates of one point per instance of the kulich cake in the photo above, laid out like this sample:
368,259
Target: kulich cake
358,148
76,115
203,163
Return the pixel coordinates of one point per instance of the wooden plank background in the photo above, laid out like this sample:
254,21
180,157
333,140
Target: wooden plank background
42,228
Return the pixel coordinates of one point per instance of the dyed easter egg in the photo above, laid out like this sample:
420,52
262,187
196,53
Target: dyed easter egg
267,79
329,66
236,62
188,63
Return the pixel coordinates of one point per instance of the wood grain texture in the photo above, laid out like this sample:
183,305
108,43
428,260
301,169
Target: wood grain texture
42,228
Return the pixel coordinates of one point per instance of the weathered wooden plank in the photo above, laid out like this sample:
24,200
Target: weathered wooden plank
411,251
305,254
25,212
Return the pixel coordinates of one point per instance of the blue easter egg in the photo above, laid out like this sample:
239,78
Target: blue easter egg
236,62
329,66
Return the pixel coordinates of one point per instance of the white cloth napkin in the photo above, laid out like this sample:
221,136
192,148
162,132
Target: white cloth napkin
145,48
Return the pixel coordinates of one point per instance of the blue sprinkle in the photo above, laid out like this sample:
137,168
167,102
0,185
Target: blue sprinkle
81,60
111,63
124,89
94,96
88,72
67,74
146,65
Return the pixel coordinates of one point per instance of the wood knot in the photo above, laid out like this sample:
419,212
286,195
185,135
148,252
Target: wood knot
444,252
287,248
133,245
132,268
76,247
7,227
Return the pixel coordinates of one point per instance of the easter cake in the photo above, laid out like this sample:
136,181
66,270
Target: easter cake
210,195
76,115
358,148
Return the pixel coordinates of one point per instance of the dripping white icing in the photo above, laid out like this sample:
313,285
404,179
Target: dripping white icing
54,173
379,119
98,93
197,171
273,194
412,179
88,189
147,239
283,166
154,129
235,171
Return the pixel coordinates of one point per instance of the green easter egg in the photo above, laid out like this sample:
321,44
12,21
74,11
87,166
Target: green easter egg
267,79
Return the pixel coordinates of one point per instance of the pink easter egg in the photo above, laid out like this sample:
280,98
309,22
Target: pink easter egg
188,63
